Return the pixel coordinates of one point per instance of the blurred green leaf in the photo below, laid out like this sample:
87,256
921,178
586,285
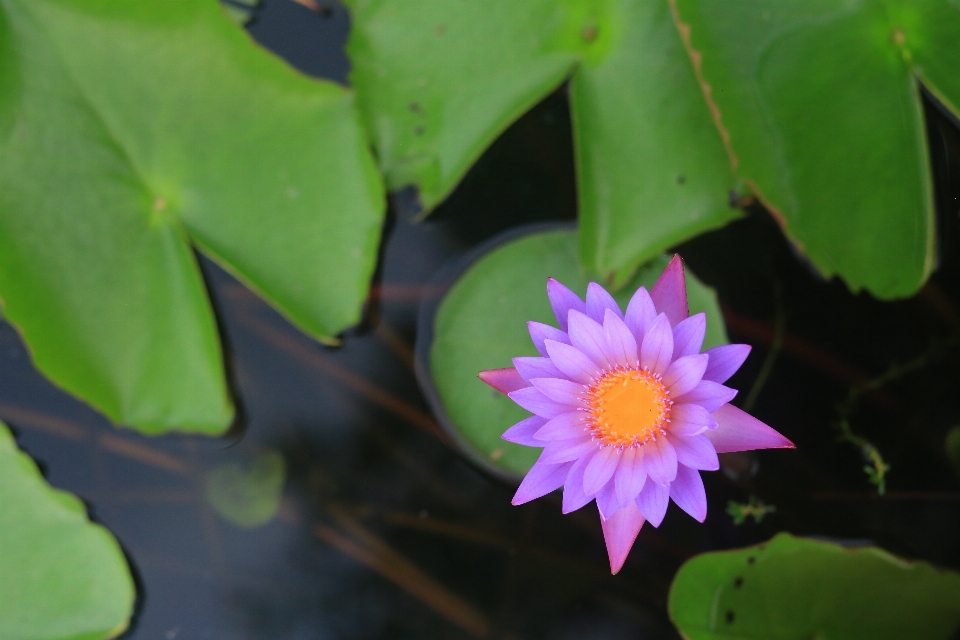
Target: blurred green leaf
131,132
822,105
796,588
247,493
61,576
482,324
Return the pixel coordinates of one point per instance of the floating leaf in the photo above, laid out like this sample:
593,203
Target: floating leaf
61,576
482,323
247,494
821,104
130,131
796,588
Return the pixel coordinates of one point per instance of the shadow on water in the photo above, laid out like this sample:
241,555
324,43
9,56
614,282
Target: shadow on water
383,531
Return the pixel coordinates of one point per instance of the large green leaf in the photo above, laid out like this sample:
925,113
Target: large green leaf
482,324
799,589
652,168
128,131
821,103
61,576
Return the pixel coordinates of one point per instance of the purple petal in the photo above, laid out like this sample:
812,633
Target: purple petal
725,360
540,332
640,314
621,345
690,420
541,480
620,532
708,394
587,336
523,432
607,500
532,367
688,335
571,362
561,390
598,301
656,351
503,380
563,427
739,431
631,474
660,460
535,402
687,491
653,501
562,300
696,452
558,451
684,374
669,295
573,494
600,469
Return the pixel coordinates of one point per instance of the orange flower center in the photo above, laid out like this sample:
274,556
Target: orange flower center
627,407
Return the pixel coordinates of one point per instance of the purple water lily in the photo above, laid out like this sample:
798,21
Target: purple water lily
626,408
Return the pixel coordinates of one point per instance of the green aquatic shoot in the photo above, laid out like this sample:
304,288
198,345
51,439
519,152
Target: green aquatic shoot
755,508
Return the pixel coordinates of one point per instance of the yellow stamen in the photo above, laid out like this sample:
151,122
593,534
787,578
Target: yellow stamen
627,407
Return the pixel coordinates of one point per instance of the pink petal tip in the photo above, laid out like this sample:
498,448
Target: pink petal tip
504,380
620,532
669,295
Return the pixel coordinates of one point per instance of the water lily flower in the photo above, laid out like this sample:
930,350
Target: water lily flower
627,409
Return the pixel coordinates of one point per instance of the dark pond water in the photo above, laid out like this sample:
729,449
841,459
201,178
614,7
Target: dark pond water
384,531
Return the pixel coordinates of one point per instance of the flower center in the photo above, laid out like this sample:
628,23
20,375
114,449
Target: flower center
627,407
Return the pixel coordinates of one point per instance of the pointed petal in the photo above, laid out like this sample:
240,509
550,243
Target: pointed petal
541,480
656,351
587,336
684,374
523,432
631,474
653,501
725,360
690,420
739,431
621,345
533,367
540,332
688,335
696,452
563,427
620,532
669,295
572,362
558,451
573,494
640,314
708,394
687,491
660,460
598,301
503,380
607,500
535,402
562,300
600,470
561,390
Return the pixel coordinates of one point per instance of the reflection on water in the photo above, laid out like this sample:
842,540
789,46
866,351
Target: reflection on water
382,531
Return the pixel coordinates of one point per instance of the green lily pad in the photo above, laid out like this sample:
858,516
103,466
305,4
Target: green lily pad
247,494
481,323
822,106
132,132
796,588
61,576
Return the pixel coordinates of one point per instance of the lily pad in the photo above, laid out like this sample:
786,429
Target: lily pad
247,494
821,105
132,133
796,588
61,576
481,323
